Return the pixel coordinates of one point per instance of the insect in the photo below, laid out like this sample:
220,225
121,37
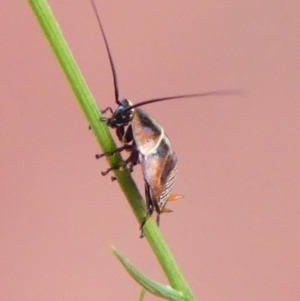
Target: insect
147,143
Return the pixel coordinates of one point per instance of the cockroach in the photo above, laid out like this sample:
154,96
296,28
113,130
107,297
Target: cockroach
146,141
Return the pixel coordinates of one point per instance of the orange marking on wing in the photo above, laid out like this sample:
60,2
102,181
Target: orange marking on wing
166,210
175,197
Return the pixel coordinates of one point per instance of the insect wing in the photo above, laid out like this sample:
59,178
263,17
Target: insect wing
157,158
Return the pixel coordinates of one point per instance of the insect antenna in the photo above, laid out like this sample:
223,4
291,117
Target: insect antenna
113,69
203,94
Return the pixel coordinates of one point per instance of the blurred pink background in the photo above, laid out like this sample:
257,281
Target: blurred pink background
236,232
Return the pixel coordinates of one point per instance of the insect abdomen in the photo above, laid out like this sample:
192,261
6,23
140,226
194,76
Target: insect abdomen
156,157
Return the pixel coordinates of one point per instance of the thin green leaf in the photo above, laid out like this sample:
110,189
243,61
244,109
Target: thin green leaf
142,295
148,284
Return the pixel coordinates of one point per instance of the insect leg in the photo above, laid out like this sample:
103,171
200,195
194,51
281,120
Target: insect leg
103,112
107,109
131,161
150,208
116,151
126,137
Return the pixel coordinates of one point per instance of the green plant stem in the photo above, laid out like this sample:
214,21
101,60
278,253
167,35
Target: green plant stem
89,107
